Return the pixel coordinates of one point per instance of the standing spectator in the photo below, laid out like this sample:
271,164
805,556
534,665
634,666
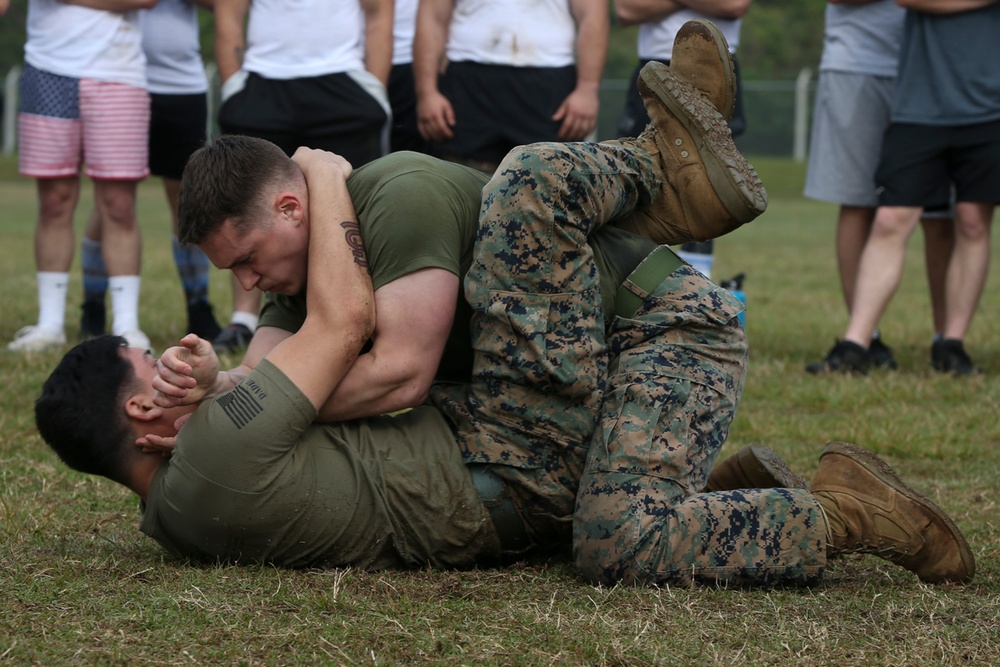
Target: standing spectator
309,73
179,96
402,93
945,128
853,104
490,77
83,99
659,21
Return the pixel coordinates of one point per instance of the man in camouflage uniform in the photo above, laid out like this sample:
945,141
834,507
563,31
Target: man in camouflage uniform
677,366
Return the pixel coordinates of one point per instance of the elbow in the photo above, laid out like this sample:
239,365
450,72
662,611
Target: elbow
733,10
625,13
412,394
357,322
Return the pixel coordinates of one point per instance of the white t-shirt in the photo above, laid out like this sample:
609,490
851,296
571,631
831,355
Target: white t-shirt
173,52
656,38
404,24
294,39
521,33
80,42
863,39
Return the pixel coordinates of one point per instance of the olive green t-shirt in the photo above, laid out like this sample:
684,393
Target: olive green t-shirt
419,212
415,212
253,480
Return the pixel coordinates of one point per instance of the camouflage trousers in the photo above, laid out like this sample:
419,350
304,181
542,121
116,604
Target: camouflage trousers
676,375
540,359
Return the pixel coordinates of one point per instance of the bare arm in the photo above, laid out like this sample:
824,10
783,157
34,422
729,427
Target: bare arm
339,301
944,6
851,2
378,38
435,115
415,315
414,318
723,9
630,12
230,40
578,112
113,5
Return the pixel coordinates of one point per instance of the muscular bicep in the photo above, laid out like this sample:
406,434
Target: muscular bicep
414,318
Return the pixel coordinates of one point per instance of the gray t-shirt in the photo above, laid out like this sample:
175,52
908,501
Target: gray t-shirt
949,69
253,480
862,39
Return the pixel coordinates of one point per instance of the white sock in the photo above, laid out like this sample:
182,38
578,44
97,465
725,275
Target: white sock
249,320
124,303
52,289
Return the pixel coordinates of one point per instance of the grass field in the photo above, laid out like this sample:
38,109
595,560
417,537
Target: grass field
80,585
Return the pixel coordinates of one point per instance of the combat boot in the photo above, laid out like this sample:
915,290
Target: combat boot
701,57
870,510
753,467
708,188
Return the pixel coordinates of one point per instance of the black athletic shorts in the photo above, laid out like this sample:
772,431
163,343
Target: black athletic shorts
176,130
916,159
403,100
332,112
498,107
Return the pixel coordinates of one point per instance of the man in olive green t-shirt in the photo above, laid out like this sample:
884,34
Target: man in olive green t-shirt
252,479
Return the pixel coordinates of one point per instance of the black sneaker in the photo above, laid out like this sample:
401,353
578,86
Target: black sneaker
92,319
880,355
233,338
949,356
202,322
845,357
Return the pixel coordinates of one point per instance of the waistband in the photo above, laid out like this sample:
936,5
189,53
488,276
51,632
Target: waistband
644,280
506,519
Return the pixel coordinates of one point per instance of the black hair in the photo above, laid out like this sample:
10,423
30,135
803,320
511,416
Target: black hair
79,412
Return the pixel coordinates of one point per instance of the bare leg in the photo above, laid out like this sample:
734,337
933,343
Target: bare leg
54,244
880,270
121,239
967,273
939,243
854,224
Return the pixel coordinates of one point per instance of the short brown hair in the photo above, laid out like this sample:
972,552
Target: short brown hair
224,180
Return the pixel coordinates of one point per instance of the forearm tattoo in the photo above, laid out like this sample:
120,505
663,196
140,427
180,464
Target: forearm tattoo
355,242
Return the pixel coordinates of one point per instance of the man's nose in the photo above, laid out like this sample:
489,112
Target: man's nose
247,278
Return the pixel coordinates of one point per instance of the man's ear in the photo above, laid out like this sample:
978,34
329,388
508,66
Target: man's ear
140,407
288,204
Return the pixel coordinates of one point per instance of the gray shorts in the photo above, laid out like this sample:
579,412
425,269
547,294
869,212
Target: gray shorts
850,118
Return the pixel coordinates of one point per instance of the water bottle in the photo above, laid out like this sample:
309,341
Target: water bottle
699,255
735,286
